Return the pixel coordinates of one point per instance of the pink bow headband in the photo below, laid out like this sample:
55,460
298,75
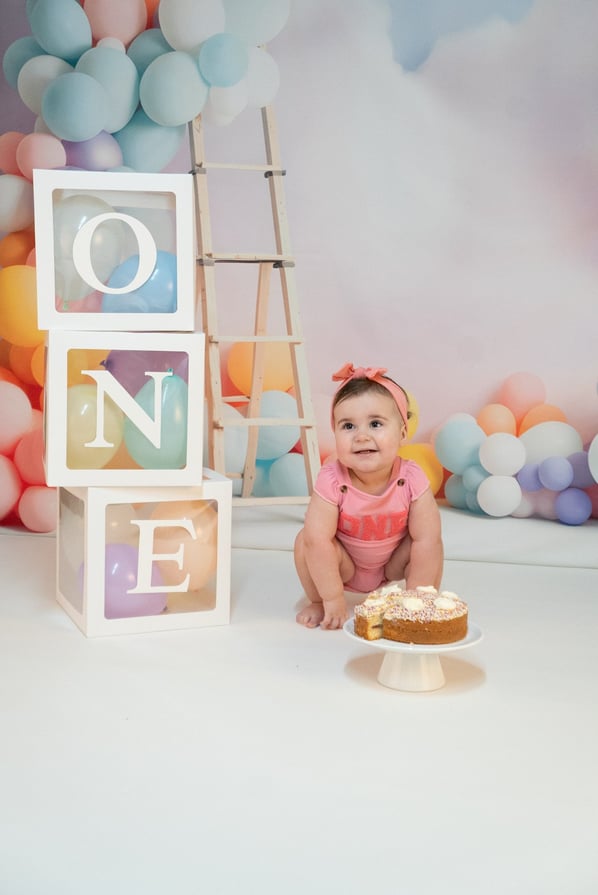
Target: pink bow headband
376,374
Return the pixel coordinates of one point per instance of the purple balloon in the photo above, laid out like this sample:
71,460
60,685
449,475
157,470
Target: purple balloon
555,473
98,154
528,477
121,576
130,367
573,506
582,477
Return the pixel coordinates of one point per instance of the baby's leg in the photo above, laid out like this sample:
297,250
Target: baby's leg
312,615
397,566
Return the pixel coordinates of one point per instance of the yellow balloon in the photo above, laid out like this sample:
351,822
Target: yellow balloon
18,306
278,370
423,454
199,552
79,359
81,424
413,421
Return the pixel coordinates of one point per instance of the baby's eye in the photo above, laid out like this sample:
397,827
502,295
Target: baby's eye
347,426
376,423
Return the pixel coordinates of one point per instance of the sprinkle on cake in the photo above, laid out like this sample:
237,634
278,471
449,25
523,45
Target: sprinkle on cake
422,615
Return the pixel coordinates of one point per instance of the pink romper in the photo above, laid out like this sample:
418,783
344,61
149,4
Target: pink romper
370,526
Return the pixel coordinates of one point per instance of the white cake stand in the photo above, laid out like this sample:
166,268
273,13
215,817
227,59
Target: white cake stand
413,666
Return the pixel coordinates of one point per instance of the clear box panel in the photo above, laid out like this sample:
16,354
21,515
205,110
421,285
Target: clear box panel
71,548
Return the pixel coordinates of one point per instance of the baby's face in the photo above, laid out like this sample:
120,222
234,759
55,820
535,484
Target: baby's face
368,430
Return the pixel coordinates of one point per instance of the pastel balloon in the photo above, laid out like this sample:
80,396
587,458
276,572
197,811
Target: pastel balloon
187,23
79,359
552,439
541,413
555,473
520,392
263,78
257,22
582,476
473,477
113,18
223,60
457,444
499,495
528,477
15,247
424,455
8,152
274,441
171,450
120,79
11,486
502,454
544,503
455,492
16,416
158,295
82,411
496,418
16,55
593,457
98,154
18,305
16,203
20,363
197,541
146,47
75,106
60,27
262,487
235,440
526,507
38,508
40,151
277,369
119,524
36,76
29,457
287,476
225,103
130,368
172,91
120,576
147,146
573,506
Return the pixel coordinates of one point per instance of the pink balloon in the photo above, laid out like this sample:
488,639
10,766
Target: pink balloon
29,457
113,18
39,151
16,416
520,392
8,151
38,508
11,486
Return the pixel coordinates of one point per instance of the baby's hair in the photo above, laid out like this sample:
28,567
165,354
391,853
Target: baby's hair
355,387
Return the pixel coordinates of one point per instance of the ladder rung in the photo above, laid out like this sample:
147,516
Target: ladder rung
291,340
263,421
246,258
202,167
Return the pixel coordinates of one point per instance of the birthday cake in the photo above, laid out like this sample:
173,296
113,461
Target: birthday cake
423,615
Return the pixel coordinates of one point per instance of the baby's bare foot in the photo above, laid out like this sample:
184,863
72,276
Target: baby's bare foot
311,615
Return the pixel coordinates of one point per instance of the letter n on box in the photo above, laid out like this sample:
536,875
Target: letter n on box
124,408
114,251
135,560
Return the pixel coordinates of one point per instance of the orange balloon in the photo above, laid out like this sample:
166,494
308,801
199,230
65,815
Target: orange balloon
541,413
38,364
20,363
18,305
5,347
16,247
496,418
79,359
7,375
278,371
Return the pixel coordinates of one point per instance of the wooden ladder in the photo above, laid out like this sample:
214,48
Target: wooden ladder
282,261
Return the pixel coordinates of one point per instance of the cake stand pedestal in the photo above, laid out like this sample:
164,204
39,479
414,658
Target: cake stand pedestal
414,667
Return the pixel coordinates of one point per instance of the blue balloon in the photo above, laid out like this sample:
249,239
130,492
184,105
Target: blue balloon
158,295
223,60
455,492
75,106
457,444
17,54
573,506
261,483
61,28
288,477
171,452
119,78
172,91
473,477
274,441
147,146
146,47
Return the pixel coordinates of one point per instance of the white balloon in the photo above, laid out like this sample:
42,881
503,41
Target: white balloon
235,440
593,457
263,78
225,103
499,495
16,203
185,24
551,439
35,76
526,507
255,21
502,454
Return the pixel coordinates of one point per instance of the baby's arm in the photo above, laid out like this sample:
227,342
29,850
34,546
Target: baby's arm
323,558
427,554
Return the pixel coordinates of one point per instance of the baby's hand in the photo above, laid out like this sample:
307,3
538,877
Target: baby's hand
335,613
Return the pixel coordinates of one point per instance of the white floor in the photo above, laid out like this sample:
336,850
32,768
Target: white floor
261,757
